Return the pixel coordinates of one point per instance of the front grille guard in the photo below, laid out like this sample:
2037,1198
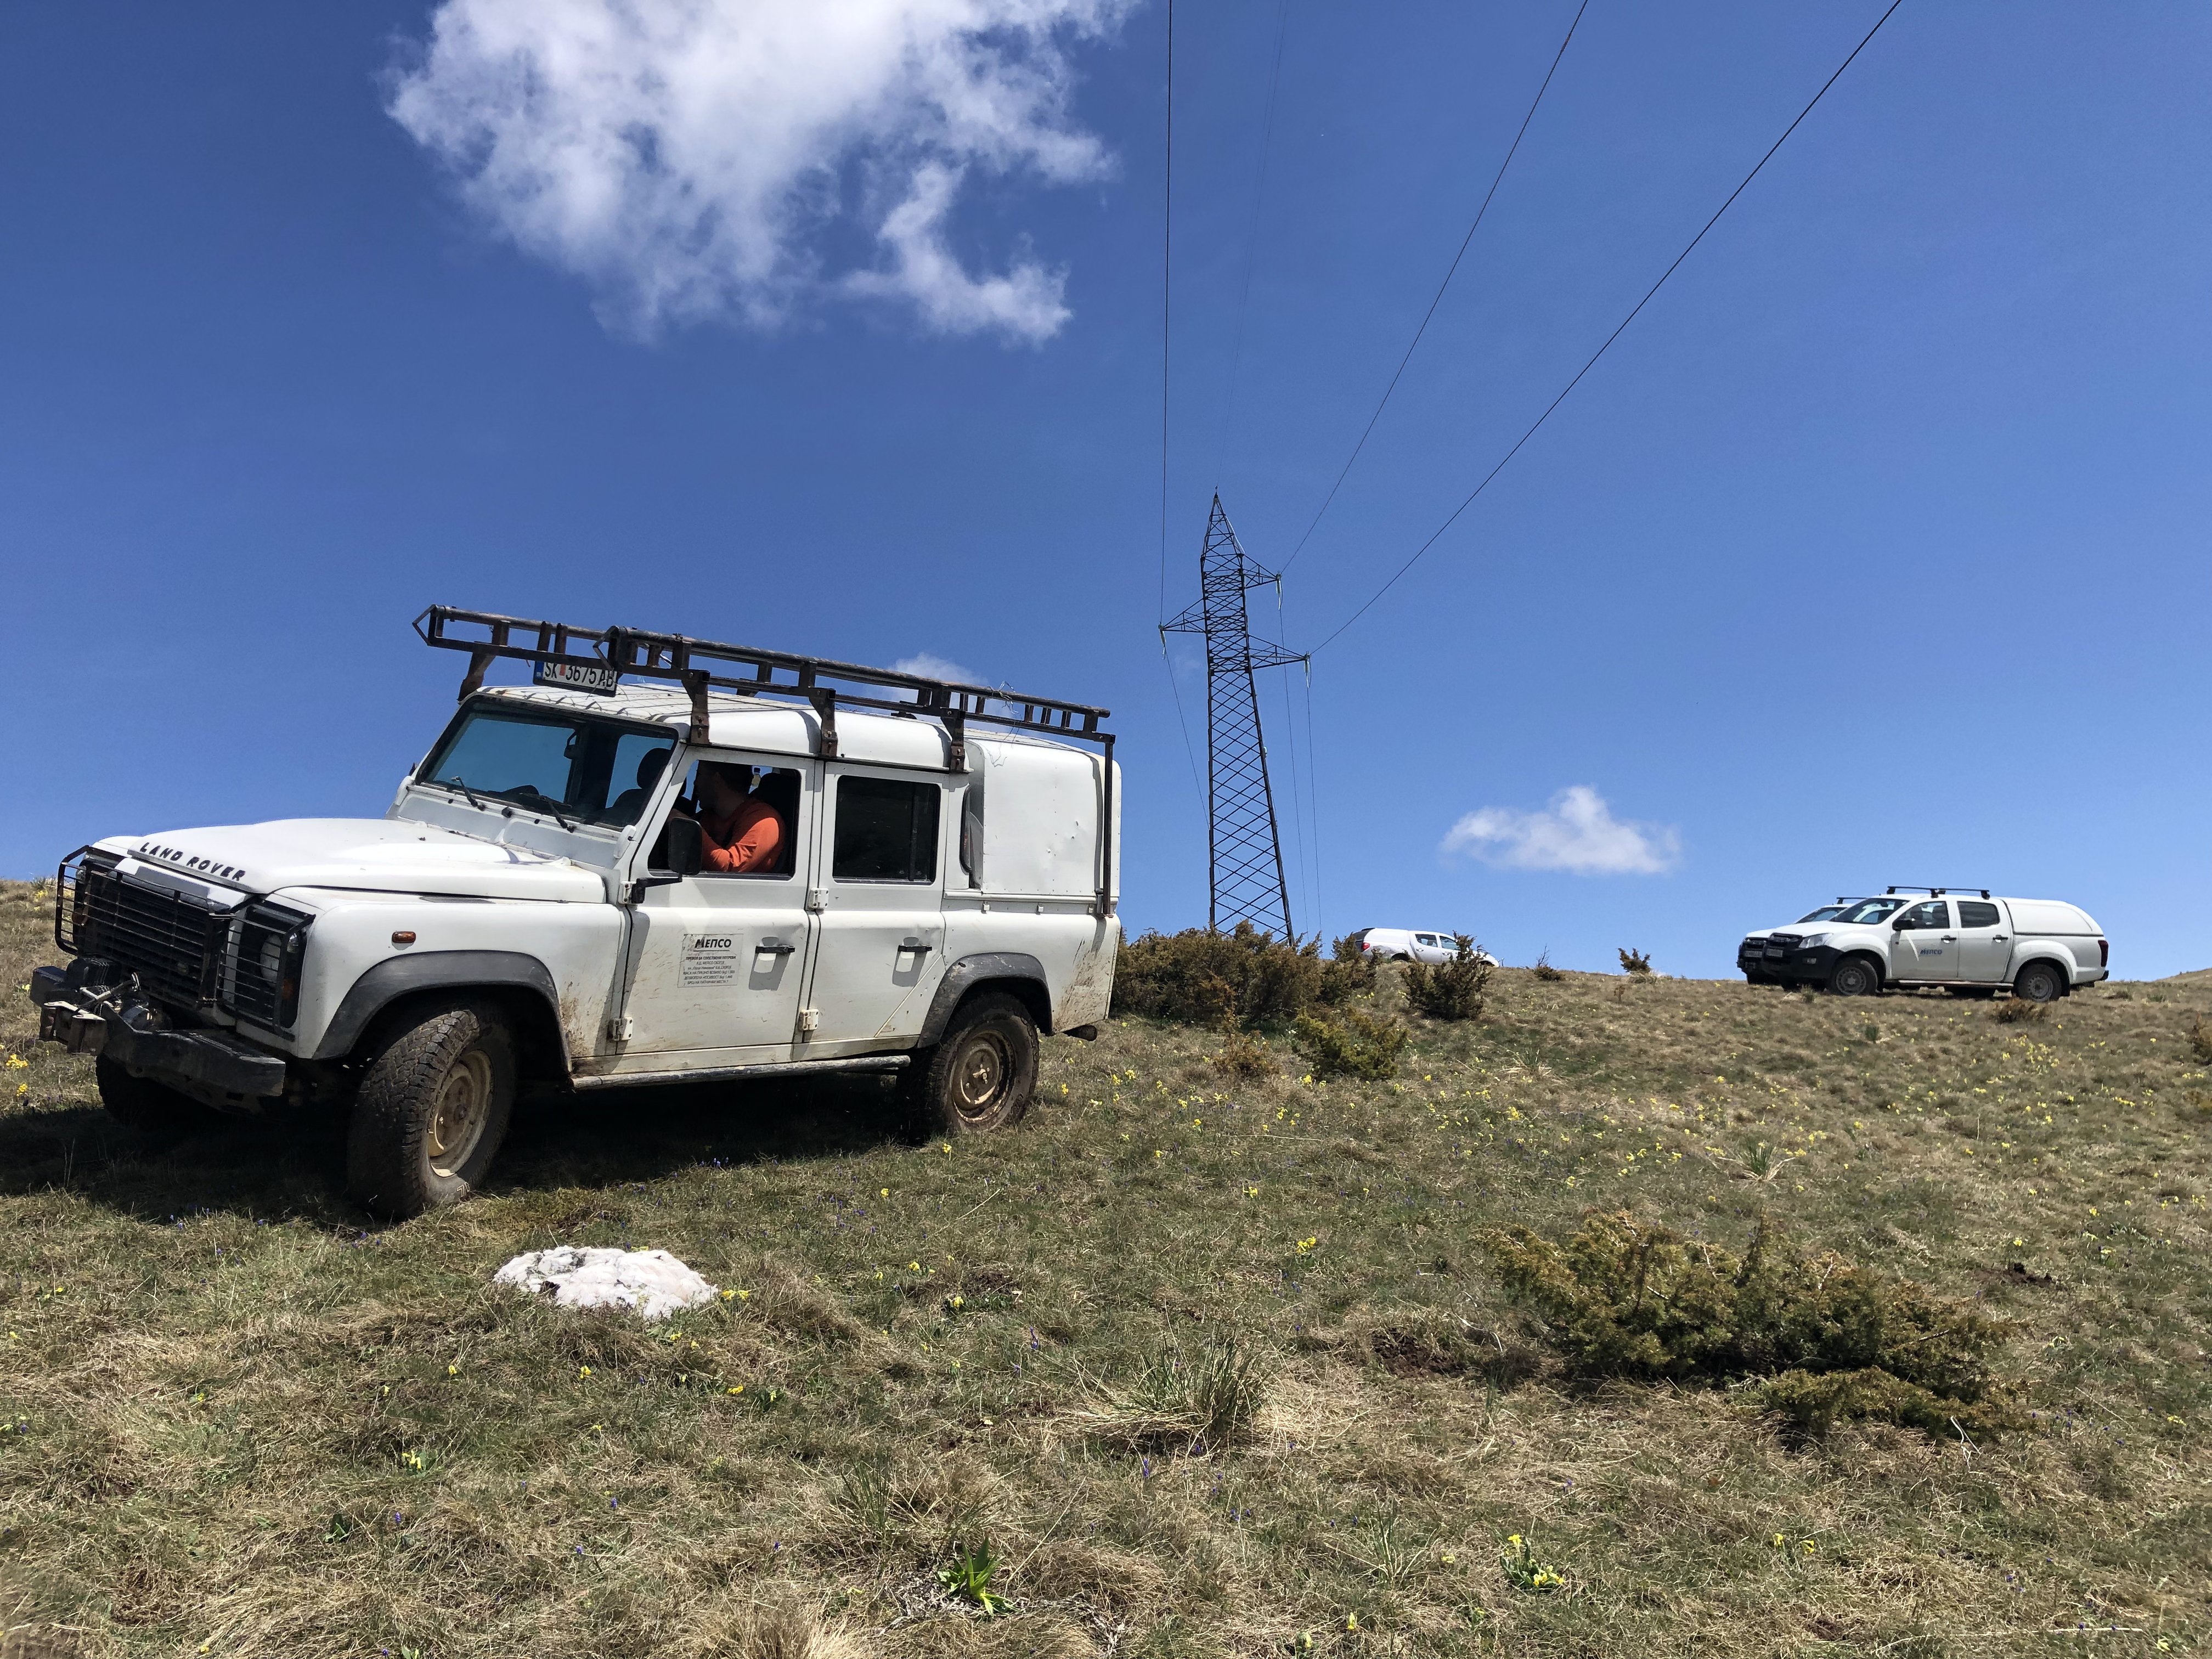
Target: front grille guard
243,959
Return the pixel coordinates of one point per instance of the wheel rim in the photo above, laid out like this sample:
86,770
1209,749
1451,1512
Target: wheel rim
979,1079
457,1116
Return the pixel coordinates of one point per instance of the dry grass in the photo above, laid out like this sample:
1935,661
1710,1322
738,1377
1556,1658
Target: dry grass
215,1371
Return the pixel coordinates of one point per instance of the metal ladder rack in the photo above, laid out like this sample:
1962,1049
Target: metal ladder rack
692,664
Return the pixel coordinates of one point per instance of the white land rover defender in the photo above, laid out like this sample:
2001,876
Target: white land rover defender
1963,940
538,907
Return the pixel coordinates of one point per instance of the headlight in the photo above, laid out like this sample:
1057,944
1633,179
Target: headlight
1812,940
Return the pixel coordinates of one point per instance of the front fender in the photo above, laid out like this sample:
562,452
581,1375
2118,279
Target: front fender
429,970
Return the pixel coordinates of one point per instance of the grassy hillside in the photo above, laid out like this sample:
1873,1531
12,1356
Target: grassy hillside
240,1420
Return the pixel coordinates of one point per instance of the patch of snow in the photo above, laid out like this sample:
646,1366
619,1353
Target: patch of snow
653,1283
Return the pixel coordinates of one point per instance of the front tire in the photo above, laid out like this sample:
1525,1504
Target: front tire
151,1108
2039,981
980,1077
432,1109
1856,976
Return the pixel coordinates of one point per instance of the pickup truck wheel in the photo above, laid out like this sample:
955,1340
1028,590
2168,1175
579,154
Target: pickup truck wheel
2039,981
150,1108
431,1110
1855,976
980,1077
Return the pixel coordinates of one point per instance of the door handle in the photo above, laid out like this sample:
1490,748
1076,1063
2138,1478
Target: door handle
771,947
1950,938
1996,939
917,946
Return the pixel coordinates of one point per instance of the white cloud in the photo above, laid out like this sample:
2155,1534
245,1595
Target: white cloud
931,666
1576,833
689,157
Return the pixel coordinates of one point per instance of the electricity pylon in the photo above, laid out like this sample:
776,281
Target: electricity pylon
1245,847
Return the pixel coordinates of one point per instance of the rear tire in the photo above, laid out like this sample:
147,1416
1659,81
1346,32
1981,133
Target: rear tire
1856,976
2039,981
432,1109
152,1109
980,1077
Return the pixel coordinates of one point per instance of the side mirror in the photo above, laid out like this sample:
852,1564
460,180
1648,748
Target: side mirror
679,853
1899,925
687,848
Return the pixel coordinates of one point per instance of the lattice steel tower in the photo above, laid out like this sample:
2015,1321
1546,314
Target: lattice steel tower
1245,879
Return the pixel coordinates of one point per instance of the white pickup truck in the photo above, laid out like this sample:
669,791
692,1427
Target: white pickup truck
1964,940
540,906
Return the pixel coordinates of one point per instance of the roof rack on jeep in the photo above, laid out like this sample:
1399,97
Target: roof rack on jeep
1935,892
682,659
607,653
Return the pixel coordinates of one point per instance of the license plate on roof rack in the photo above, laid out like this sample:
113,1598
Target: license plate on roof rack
576,677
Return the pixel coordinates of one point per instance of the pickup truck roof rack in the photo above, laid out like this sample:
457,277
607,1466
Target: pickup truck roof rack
588,652
1936,892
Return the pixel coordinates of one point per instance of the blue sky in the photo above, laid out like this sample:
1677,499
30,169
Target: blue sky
1874,551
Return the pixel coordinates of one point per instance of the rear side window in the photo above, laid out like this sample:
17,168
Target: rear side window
1972,912
886,830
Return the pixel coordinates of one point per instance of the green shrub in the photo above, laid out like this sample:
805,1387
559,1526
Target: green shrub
1242,1055
1634,962
1243,978
1452,990
1354,1044
1834,1339
1544,969
1348,973
1203,977
2200,1039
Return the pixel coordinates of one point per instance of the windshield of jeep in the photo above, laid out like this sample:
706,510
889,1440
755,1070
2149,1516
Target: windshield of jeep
552,762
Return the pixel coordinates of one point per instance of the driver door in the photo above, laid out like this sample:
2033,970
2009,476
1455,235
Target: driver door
1924,945
716,961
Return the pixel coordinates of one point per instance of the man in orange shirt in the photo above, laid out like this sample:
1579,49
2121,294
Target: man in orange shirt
741,833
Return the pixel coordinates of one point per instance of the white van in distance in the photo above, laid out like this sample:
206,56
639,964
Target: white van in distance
552,900
1964,940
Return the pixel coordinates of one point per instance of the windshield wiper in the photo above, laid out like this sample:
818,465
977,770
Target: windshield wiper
461,784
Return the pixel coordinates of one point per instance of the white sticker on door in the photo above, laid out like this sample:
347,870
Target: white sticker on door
710,959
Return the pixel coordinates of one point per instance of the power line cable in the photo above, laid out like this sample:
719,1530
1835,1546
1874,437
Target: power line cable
1437,300
1167,275
1189,752
1252,239
1615,335
1166,282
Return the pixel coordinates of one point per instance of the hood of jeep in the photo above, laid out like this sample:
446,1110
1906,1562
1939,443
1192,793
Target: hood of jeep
383,856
